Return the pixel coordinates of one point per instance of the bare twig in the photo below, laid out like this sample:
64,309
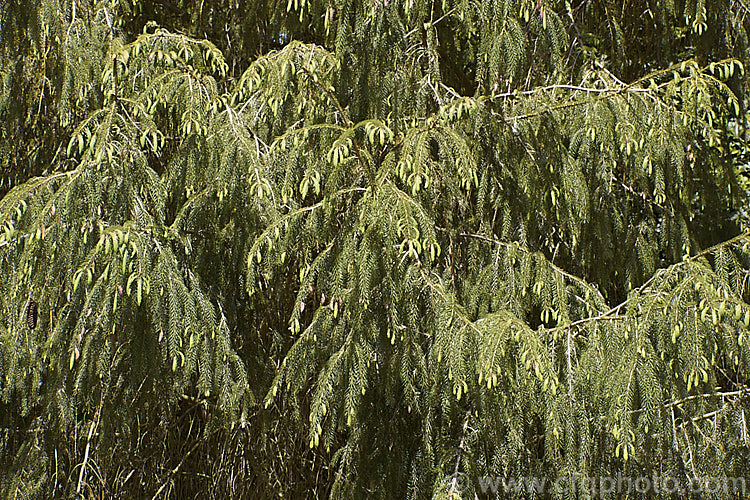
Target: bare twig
94,425
454,481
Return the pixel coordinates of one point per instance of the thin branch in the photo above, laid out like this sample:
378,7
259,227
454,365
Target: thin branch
454,481
602,93
561,271
740,392
176,469
94,425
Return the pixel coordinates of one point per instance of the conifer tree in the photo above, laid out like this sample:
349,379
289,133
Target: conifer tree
351,248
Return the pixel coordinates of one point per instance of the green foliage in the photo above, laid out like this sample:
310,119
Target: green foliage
357,248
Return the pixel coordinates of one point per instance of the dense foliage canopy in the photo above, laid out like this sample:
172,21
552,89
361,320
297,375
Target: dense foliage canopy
367,248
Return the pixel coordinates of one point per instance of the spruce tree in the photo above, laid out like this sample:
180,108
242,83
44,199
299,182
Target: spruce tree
376,248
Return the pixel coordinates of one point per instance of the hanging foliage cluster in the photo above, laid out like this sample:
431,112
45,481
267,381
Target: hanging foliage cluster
370,248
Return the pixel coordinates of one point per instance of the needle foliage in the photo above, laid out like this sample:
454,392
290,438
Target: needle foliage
354,249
